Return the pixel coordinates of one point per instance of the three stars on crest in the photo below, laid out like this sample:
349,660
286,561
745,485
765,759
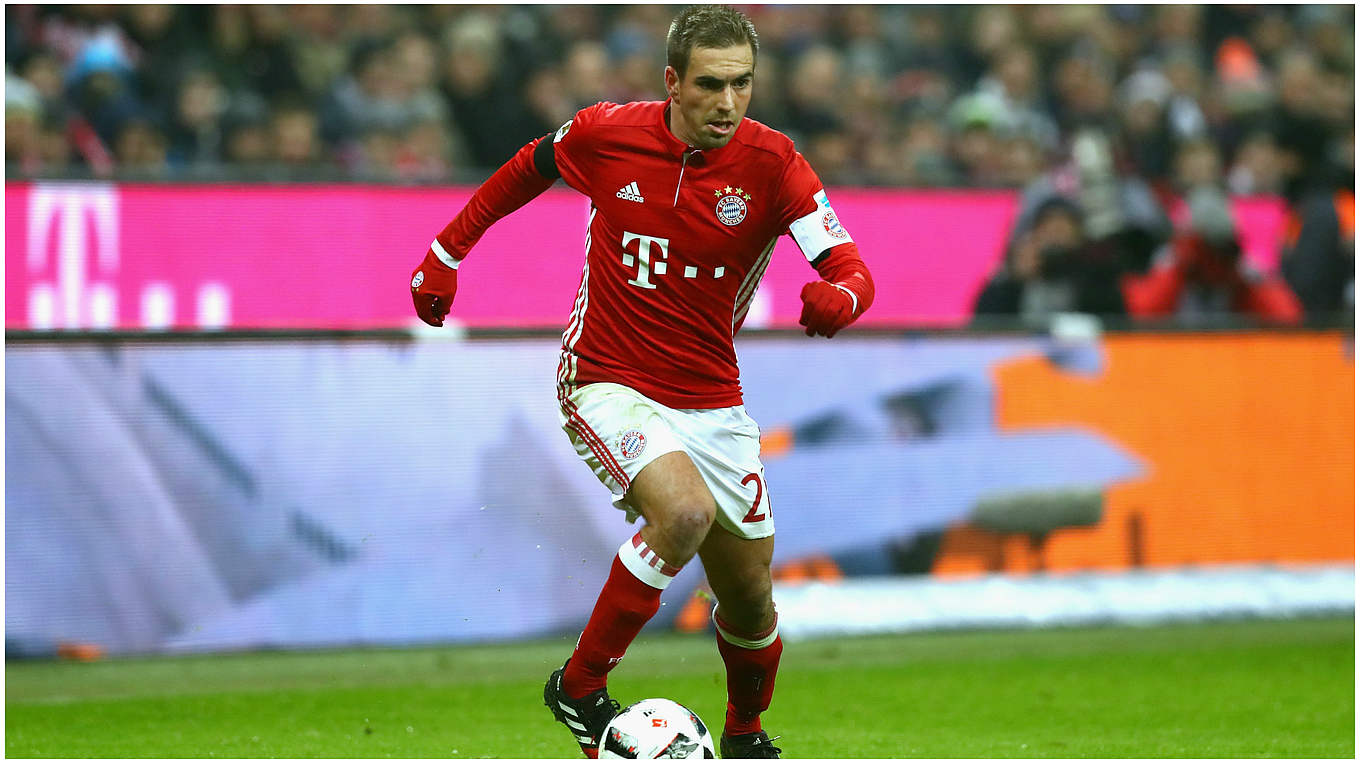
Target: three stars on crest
729,190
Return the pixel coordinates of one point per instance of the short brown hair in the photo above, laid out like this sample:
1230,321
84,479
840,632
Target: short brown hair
708,26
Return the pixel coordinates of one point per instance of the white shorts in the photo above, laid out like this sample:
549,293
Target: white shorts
618,431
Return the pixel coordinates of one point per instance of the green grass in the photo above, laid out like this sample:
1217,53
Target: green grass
1247,689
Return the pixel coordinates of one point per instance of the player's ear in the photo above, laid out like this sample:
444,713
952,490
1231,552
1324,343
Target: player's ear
672,82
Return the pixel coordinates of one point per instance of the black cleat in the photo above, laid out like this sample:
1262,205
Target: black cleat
749,745
586,717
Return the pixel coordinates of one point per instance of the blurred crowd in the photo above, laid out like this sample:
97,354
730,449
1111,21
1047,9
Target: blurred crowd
1175,99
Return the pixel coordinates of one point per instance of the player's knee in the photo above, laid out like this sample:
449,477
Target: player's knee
691,520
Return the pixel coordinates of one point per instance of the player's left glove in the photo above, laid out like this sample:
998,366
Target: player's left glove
827,308
433,284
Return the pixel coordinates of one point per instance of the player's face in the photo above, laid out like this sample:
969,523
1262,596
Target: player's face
711,100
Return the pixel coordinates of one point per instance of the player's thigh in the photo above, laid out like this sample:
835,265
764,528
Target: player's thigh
725,447
670,490
738,571
630,446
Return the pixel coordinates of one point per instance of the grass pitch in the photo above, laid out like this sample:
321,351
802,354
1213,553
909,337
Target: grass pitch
1247,689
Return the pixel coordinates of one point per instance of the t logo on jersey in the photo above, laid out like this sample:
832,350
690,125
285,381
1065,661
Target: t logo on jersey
644,257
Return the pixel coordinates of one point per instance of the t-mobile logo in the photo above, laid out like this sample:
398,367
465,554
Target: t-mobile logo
73,261
646,267
644,257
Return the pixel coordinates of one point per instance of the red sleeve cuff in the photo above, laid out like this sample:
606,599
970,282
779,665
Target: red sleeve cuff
843,267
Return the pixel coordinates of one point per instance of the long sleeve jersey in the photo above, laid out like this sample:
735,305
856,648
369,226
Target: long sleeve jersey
677,241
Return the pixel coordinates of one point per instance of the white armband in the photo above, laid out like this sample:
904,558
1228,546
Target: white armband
819,230
443,255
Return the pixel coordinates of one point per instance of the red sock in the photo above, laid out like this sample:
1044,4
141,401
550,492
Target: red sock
752,662
630,598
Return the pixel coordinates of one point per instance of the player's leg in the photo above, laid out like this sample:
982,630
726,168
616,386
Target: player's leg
672,496
623,438
678,508
738,571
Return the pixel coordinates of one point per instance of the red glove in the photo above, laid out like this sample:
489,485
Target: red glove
432,287
827,308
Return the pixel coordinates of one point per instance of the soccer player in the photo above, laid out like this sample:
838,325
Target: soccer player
687,201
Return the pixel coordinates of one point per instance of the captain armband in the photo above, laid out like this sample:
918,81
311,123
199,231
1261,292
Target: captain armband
819,230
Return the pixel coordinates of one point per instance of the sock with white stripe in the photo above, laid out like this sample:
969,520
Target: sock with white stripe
630,598
752,661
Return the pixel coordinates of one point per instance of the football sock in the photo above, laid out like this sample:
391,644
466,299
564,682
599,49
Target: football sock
752,661
630,598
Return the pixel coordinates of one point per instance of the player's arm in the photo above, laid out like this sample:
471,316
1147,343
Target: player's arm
845,291
521,179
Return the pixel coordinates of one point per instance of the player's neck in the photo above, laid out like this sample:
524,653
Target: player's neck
669,118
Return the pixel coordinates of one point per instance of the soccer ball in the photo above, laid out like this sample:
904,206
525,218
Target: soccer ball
656,728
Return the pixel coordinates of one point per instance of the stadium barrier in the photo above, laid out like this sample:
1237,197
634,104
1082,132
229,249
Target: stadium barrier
128,256
172,493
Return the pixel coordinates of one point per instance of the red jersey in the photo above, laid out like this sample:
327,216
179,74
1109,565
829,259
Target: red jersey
678,240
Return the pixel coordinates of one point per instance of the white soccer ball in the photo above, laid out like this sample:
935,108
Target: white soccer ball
656,728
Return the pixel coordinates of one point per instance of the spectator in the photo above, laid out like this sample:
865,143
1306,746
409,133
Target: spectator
930,73
1254,170
368,99
140,150
164,41
423,152
491,117
632,46
1197,165
23,120
815,95
1318,257
319,51
1051,269
196,134
586,73
1123,218
101,91
979,126
267,58
1317,175
294,133
1014,78
1022,161
43,72
248,144
1201,275
1146,131
547,100
1083,89
926,154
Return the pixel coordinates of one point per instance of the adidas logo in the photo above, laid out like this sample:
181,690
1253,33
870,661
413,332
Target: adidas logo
630,193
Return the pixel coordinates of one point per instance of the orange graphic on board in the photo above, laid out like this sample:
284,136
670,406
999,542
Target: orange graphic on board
1249,442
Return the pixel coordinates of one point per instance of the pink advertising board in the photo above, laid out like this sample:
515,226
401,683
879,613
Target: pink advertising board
99,255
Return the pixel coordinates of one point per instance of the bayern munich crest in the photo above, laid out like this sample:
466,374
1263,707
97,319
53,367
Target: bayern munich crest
632,444
731,207
833,225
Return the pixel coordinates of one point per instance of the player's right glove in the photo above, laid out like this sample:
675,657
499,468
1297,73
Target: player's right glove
827,308
433,284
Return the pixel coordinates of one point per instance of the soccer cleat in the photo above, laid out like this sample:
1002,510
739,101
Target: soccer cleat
749,745
586,717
